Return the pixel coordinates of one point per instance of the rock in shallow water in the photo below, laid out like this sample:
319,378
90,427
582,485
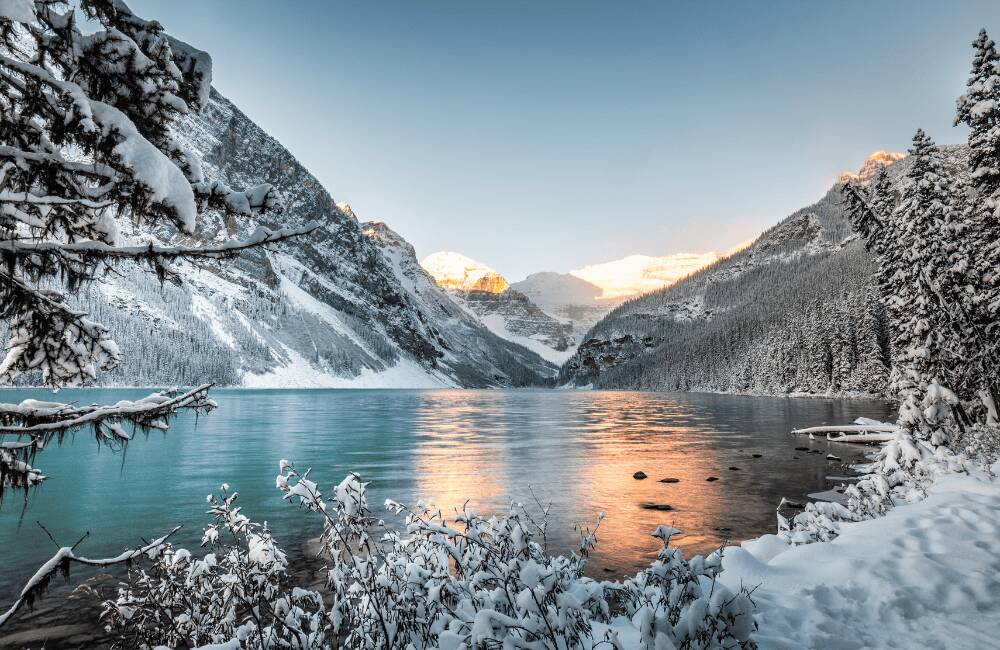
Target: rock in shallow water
639,475
670,479
656,506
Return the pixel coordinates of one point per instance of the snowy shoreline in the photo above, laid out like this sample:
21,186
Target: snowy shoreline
363,386
922,575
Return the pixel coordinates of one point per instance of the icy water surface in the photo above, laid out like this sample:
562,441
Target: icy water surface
576,449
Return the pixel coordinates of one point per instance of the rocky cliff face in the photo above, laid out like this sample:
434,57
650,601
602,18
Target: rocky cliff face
486,296
570,299
340,307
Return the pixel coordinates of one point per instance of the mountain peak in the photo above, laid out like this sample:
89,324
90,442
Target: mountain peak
346,209
456,271
872,164
637,274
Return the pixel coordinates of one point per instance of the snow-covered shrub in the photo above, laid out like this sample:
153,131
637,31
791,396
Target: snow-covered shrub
901,472
678,604
462,583
240,590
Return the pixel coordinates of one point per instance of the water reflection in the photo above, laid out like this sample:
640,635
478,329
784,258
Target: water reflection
577,450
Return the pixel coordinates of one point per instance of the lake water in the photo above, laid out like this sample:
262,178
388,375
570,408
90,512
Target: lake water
575,449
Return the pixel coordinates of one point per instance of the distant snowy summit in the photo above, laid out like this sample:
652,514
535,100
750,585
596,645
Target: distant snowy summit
550,313
456,271
487,296
637,274
871,165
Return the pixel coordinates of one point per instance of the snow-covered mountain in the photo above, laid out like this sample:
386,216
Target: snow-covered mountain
583,296
871,165
347,305
551,312
487,296
568,298
456,271
794,312
637,274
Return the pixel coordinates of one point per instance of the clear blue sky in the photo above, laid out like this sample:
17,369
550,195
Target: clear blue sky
547,135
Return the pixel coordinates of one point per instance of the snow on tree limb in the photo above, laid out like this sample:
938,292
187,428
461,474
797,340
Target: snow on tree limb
40,421
49,417
60,562
77,252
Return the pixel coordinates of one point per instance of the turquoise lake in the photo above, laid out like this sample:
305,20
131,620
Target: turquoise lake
575,449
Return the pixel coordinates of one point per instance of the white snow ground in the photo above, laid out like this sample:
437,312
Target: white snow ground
926,575
496,324
299,373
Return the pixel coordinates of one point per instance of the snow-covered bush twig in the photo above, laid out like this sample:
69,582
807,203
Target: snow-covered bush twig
901,472
65,556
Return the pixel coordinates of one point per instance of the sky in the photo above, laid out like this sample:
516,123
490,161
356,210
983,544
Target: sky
547,135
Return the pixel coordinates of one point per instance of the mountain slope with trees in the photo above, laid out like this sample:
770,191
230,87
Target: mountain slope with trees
329,311
796,312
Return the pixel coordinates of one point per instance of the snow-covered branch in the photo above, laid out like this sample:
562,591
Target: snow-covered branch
77,252
64,557
40,421
48,417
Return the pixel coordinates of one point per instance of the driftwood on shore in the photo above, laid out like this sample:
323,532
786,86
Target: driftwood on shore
854,433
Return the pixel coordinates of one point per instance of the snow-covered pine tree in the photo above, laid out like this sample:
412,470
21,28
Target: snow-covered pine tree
912,244
86,148
915,255
979,108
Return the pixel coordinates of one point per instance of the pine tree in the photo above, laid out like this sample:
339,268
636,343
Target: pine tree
979,108
85,148
915,298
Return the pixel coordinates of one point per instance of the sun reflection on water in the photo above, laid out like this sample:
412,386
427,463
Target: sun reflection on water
583,464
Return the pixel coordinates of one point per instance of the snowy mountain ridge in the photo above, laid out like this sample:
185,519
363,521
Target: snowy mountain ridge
638,274
487,296
347,305
456,271
795,312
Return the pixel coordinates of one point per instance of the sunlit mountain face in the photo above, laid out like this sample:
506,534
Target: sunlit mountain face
872,164
637,274
456,271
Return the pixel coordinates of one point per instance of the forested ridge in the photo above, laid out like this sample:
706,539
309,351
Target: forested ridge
796,312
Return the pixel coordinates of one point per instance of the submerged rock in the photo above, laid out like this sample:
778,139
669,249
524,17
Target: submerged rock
757,455
712,478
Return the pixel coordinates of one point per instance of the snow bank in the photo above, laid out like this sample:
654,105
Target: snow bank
498,325
299,373
924,575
